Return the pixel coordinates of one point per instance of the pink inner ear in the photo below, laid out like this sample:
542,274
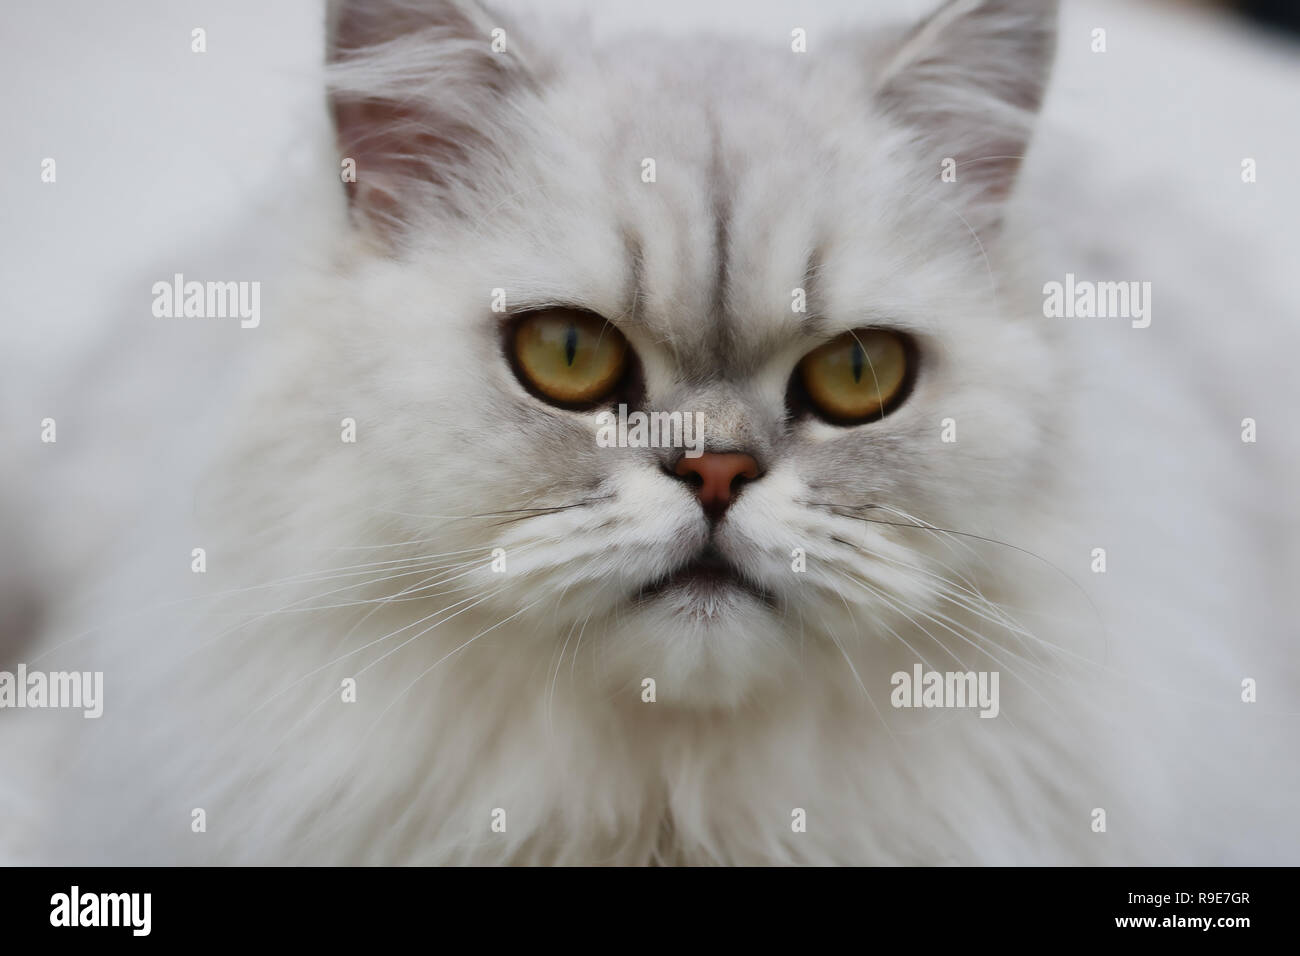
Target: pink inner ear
397,153
971,91
415,86
995,167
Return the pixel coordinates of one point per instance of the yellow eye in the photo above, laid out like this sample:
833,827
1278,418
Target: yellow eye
856,377
569,357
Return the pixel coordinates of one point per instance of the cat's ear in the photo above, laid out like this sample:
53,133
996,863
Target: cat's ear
968,82
417,90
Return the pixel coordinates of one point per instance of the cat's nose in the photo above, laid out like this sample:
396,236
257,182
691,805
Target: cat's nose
717,478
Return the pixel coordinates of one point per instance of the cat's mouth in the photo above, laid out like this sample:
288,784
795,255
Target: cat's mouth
708,575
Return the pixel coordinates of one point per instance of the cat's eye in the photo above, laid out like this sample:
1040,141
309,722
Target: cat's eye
569,357
857,377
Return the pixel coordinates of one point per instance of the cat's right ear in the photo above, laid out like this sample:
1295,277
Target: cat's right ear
417,89
968,82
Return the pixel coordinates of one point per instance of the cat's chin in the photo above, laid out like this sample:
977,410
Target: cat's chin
705,600
706,641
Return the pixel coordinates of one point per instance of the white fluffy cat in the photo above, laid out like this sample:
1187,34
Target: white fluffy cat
430,645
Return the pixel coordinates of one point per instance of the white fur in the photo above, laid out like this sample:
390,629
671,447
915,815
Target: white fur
522,691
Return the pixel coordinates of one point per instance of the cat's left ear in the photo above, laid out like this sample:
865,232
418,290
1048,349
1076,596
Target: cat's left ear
968,82
421,92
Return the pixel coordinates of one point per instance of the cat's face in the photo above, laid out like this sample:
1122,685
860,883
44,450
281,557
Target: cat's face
788,206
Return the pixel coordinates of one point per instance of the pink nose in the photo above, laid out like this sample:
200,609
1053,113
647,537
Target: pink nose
717,477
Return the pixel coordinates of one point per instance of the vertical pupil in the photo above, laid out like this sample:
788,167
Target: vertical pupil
570,344
858,356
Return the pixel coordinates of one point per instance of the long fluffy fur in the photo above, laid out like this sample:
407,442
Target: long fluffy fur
521,692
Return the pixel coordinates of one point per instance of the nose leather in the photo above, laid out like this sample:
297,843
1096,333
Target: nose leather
717,477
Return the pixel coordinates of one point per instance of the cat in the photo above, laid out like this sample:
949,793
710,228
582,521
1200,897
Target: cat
399,605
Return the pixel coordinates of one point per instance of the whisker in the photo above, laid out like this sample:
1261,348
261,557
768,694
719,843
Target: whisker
840,510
